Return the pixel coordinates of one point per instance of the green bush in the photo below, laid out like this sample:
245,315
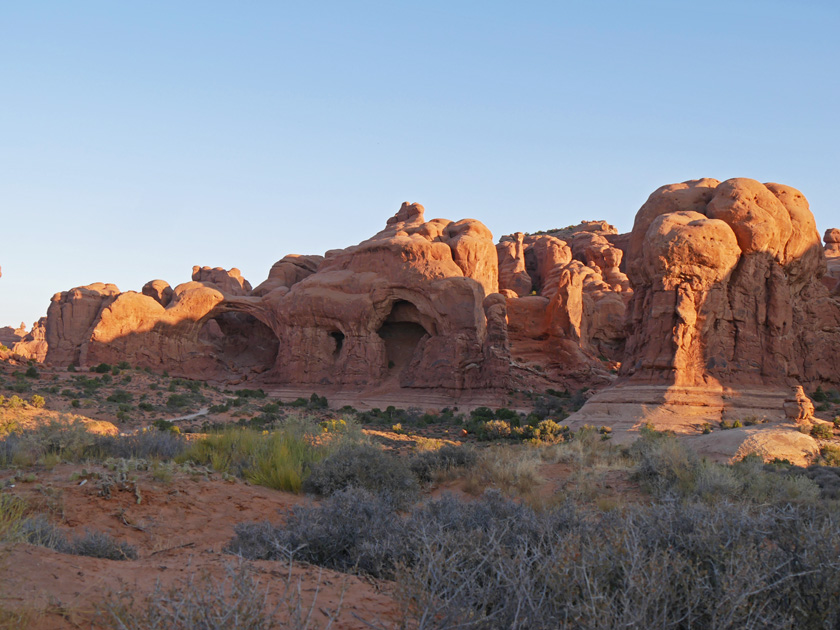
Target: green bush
102,368
38,401
31,372
822,431
120,396
494,430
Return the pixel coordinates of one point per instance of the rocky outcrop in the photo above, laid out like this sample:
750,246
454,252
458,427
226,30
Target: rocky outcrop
798,407
71,318
412,306
726,288
228,282
415,306
287,272
831,279
159,291
573,324
719,287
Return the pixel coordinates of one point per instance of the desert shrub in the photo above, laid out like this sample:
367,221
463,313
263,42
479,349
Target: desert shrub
178,401
38,401
507,414
554,406
32,372
100,545
827,478
819,395
353,530
41,531
428,464
219,408
102,368
548,431
364,466
318,402
494,430
664,464
271,408
72,442
830,455
251,393
151,445
822,431
482,414
120,396
14,402
124,365
145,406
495,563
237,601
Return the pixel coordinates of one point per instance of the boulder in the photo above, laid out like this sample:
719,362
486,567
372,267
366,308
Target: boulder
228,282
798,407
159,291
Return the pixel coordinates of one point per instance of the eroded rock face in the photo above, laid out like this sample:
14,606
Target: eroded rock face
831,279
229,282
159,291
578,322
726,284
410,306
726,280
416,305
71,317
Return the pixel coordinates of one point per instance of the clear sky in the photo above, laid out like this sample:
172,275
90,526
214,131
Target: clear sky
138,139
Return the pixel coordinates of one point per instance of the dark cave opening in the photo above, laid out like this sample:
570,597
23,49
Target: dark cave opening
401,331
338,337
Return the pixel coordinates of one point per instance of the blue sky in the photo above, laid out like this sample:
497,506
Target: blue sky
140,139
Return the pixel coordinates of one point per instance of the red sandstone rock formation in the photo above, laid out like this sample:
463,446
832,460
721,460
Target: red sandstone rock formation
726,280
832,253
575,318
725,288
412,306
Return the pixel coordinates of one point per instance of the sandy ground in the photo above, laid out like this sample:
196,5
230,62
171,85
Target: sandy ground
180,528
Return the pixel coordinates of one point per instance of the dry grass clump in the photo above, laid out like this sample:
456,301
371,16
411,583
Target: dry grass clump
279,459
236,602
515,470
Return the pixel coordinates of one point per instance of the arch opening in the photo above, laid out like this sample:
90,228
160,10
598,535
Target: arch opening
241,341
402,332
